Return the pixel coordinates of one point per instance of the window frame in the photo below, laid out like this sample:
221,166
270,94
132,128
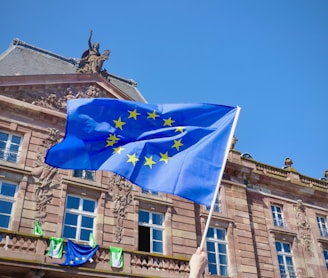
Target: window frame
325,256
9,144
322,225
284,255
8,199
80,213
153,227
84,174
278,216
217,253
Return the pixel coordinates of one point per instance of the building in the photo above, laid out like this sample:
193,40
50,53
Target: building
268,222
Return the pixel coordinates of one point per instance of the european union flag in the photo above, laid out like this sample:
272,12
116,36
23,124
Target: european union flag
77,254
174,148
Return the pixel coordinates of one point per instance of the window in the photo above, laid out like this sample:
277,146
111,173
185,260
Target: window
150,192
151,231
217,206
217,251
80,215
84,174
277,216
7,199
9,147
322,224
285,260
325,254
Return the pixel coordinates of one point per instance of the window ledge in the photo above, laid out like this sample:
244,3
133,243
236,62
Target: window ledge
282,231
323,239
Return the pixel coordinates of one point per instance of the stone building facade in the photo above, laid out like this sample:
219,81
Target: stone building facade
268,221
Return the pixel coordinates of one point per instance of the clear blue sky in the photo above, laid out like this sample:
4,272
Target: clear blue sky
270,57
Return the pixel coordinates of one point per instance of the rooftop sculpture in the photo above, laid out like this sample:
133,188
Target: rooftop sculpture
91,60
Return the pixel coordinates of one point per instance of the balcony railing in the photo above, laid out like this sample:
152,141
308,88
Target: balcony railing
30,252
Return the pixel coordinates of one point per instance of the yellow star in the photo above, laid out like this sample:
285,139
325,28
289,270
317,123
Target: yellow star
152,115
112,140
179,129
164,157
133,159
168,122
149,161
133,114
177,144
119,124
110,143
118,150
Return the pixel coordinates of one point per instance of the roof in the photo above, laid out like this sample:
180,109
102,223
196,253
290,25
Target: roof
20,59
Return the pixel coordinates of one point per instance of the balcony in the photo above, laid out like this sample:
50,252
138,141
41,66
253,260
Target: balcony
25,255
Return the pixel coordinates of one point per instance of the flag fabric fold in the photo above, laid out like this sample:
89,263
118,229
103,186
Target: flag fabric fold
37,230
56,247
174,148
116,257
77,254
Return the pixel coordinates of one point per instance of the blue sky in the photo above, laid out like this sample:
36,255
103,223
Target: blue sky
270,57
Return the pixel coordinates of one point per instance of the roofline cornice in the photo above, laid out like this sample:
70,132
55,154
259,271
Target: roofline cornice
61,79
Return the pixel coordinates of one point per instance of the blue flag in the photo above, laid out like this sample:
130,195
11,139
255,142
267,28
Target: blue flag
174,148
78,254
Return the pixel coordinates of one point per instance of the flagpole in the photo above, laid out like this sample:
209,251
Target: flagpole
234,124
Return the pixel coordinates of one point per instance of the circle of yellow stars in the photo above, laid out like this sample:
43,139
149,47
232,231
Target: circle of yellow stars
132,158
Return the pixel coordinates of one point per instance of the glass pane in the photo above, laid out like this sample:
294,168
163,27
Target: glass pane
85,234
89,205
220,234
157,247
289,261
157,219
143,216
211,258
223,259
325,253
73,202
87,222
223,270
77,173
12,157
157,234
278,246
4,221
210,232
89,175
8,189
69,232
222,248
212,269
71,219
3,136
5,207
286,247
280,259
210,246
14,148
16,139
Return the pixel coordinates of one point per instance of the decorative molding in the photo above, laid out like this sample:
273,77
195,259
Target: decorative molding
304,232
121,193
58,103
45,177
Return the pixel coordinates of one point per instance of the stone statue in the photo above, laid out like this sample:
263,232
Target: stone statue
91,60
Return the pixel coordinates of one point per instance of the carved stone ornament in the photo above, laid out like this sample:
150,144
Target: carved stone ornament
304,233
121,192
58,103
46,178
